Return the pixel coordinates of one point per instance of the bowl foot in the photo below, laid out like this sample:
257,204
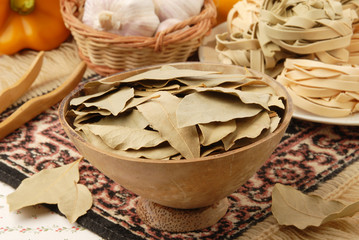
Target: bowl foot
180,220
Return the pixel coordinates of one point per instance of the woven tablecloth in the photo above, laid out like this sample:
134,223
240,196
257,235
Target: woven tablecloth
311,157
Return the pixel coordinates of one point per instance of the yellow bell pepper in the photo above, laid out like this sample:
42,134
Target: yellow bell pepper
33,24
223,7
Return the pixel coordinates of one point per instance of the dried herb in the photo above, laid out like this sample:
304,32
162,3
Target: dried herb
292,207
54,186
161,113
165,112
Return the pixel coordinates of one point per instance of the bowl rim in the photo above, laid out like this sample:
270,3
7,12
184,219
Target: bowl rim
64,104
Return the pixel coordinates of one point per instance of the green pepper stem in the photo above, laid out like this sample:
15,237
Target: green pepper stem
22,7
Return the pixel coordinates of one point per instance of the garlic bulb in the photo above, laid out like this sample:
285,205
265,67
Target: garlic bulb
167,23
123,17
179,9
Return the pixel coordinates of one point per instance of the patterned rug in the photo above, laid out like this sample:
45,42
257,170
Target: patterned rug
309,155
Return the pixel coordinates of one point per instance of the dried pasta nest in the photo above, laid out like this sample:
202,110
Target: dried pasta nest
353,48
323,89
107,53
243,14
352,5
315,29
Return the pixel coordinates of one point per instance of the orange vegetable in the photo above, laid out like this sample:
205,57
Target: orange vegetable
34,24
223,7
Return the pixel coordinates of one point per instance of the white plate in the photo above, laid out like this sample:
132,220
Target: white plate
352,120
207,53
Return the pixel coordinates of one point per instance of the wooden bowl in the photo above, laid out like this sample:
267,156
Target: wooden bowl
184,184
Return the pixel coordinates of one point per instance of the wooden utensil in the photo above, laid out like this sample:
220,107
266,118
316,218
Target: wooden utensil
9,95
37,105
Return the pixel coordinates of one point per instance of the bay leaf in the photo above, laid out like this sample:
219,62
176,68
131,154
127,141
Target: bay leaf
184,90
292,207
176,157
81,99
142,93
130,119
83,119
214,79
148,84
259,89
161,114
206,107
164,88
87,111
85,115
98,86
114,101
123,138
54,186
76,202
234,85
165,73
162,151
246,97
276,101
133,102
215,131
247,128
211,149
274,123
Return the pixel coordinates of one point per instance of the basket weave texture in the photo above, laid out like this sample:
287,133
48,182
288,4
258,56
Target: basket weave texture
107,53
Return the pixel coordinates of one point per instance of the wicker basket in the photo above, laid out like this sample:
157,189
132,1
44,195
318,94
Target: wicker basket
107,53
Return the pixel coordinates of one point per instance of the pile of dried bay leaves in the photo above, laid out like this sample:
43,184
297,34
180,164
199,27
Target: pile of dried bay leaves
169,113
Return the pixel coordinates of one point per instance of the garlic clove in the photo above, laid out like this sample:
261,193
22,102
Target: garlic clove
107,22
179,9
167,24
91,10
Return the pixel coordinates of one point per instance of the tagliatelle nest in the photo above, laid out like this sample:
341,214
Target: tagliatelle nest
322,89
242,15
317,29
353,48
